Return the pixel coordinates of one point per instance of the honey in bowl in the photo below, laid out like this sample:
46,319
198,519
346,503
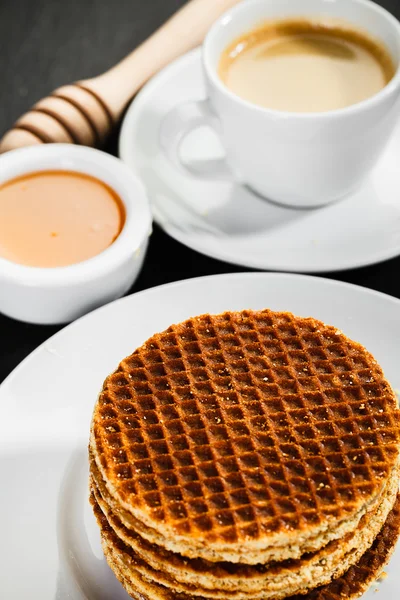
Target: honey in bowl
57,218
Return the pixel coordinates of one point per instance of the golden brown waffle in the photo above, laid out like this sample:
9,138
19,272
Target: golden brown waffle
247,582
246,437
349,586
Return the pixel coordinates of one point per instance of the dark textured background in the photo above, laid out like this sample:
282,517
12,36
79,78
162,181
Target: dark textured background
46,43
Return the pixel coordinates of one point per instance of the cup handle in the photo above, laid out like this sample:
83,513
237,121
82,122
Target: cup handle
177,124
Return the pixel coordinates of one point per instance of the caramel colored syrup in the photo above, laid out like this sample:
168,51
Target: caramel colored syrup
57,218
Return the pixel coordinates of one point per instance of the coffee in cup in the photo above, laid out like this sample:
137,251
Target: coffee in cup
303,65
303,105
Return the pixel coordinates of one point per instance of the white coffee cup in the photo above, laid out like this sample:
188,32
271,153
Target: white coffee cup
298,159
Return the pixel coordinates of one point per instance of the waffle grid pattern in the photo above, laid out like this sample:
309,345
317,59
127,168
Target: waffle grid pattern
245,424
349,586
358,578
239,576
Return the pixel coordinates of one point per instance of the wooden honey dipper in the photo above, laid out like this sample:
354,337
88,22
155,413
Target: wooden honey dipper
85,112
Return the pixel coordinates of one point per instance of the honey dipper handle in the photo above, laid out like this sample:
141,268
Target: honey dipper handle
184,30
85,112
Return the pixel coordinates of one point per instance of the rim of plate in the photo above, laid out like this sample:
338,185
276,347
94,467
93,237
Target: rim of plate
323,281
127,154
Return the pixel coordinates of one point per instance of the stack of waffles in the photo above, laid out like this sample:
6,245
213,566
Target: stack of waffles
248,455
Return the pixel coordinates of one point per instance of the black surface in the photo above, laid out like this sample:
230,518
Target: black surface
46,43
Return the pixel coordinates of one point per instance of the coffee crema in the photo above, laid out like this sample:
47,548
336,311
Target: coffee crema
57,218
301,65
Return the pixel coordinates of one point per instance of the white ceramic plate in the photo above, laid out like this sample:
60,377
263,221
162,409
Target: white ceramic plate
229,222
46,406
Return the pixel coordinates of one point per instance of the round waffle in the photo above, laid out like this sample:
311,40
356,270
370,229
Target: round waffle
202,578
246,437
349,586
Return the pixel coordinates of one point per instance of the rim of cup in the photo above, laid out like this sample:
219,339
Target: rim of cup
102,166
243,7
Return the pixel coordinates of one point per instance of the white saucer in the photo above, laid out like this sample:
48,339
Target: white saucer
49,543
229,222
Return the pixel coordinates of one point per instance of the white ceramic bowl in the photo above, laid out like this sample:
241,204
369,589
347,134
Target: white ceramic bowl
58,295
